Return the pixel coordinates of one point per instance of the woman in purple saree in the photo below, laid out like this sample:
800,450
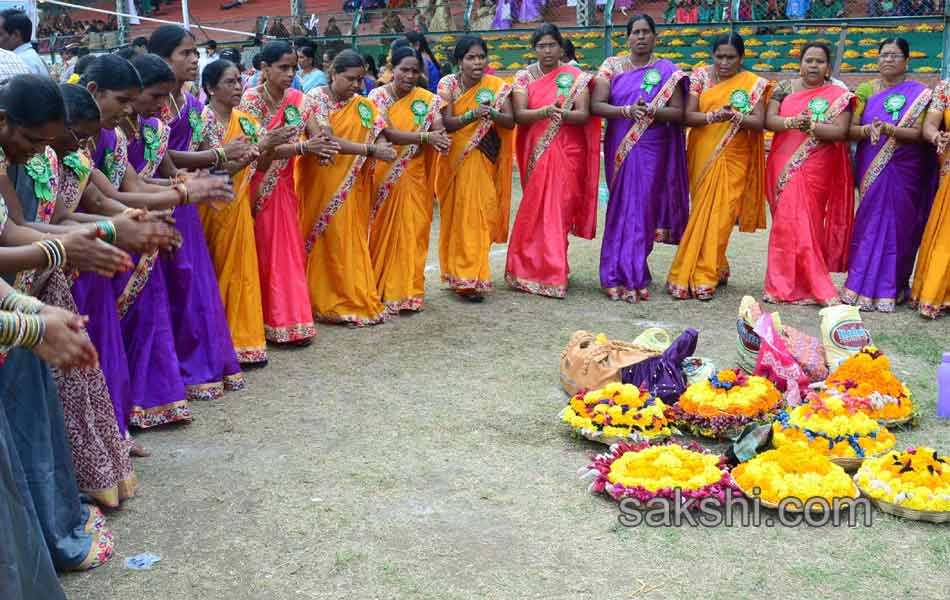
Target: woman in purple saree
897,180
644,158
209,364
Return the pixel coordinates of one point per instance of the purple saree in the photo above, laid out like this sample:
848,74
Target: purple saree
896,183
206,354
142,298
645,166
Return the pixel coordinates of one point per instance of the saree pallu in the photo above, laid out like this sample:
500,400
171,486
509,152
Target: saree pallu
99,453
281,260
810,188
203,342
229,231
896,183
335,208
726,167
474,193
34,430
403,200
645,164
559,166
142,301
931,289
26,571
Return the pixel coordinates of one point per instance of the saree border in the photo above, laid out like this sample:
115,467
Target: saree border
801,153
533,287
251,356
868,304
638,128
551,131
484,125
458,283
353,319
886,152
291,333
44,214
402,161
173,412
137,282
757,90
412,304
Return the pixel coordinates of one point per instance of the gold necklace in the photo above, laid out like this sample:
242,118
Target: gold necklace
177,108
271,97
462,85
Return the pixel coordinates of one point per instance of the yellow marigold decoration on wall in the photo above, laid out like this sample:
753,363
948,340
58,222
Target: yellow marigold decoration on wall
847,67
790,67
677,42
851,54
746,31
751,54
917,54
796,52
515,65
761,67
868,42
872,53
769,54
918,479
869,68
699,54
831,426
866,378
794,472
927,69
776,43
753,42
617,412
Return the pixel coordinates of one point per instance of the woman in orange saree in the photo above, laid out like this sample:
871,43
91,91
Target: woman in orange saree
809,184
229,230
473,182
931,290
403,194
725,156
557,147
281,259
336,198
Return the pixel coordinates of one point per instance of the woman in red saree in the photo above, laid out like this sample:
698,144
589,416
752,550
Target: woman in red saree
280,248
557,148
809,184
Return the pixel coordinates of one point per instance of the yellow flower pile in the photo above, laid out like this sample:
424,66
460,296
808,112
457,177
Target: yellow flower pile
867,377
918,479
667,466
829,426
619,410
793,472
752,398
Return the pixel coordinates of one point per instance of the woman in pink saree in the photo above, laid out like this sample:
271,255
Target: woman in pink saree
559,163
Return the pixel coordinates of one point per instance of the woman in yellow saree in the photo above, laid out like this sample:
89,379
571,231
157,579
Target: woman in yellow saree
473,182
725,157
336,198
403,194
229,229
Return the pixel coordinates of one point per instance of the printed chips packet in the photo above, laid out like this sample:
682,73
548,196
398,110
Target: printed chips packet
842,333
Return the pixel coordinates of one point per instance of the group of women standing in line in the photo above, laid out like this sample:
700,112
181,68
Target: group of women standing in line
692,190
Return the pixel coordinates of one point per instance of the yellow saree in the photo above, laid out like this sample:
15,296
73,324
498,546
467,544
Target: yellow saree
229,230
474,192
403,197
726,167
335,205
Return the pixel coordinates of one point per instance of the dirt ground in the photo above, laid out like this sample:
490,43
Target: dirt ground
424,459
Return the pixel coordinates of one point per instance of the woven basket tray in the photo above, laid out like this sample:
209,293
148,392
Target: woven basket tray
772,505
907,513
852,463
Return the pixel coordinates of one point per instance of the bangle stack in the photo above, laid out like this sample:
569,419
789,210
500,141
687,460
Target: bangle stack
221,157
423,137
55,252
182,190
17,329
709,118
107,231
370,149
15,301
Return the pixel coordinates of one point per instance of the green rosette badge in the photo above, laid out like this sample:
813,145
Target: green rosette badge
39,170
651,79
197,127
819,108
292,116
739,100
485,96
108,164
75,164
893,104
419,110
564,81
366,114
247,126
150,136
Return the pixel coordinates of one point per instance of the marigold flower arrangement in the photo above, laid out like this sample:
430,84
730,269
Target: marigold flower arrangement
617,412
866,378
832,426
644,472
918,479
725,403
793,471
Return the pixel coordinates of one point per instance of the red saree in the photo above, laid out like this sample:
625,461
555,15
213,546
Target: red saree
280,249
559,166
810,189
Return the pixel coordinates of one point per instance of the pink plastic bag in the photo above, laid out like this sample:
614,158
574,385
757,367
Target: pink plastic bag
776,363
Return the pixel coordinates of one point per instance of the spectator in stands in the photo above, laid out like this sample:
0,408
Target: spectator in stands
710,11
918,7
311,72
797,9
16,31
140,45
420,25
210,55
370,76
277,29
827,9
70,57
570,53
391,24
332,29
687,11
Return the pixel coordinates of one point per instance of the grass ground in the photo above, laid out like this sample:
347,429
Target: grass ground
424,459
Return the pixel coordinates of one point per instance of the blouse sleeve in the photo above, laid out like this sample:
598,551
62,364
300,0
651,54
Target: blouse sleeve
940,101
446,88
697,81
608,69
861,95
522,81
782,90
